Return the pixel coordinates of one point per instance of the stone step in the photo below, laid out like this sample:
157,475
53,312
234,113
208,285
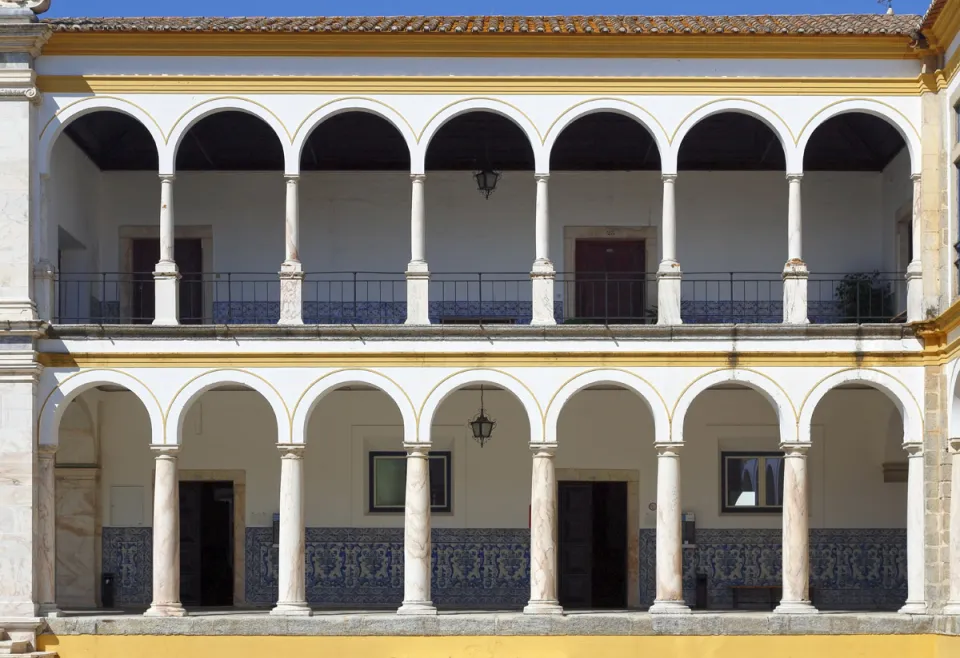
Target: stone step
13,647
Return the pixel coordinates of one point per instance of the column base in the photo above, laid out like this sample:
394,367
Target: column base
913,608
795,275
543,608
292,610
49,610
542,282
952,608
166,610
417,608
418,293
669,608
291,294
914,292
669,278
795,608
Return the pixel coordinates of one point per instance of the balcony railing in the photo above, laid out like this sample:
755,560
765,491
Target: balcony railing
491,298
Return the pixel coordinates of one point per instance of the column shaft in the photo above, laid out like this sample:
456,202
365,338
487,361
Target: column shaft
794,220
668,274
416,534
44,273
291,271
418,272
916,603
292,567
166,275
669,537
915,268
796,532
953,604
166,535
543,275
543,533
795,274
47,540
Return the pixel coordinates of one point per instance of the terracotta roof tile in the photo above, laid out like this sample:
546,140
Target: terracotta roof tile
871,24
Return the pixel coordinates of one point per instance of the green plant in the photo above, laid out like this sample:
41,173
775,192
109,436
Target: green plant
865,297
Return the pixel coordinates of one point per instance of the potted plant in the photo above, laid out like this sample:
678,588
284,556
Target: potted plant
865,297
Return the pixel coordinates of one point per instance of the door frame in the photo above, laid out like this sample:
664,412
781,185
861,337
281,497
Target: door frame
573,233
127,234
632,478
239,480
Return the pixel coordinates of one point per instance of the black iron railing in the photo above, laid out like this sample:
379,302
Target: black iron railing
481,297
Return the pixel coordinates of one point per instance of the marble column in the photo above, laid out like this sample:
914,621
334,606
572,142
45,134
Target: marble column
795,272
669,275
291,271
417,565
44,272
953,603
418,273
669,533
543,274
915,268
166,535
166,275
796,532
916,602
543,532
47,539
292,568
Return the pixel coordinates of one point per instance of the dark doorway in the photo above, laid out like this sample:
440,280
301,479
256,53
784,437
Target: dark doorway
593,544
206,543
611,280
188,253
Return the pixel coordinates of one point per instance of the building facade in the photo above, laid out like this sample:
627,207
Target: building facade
553,326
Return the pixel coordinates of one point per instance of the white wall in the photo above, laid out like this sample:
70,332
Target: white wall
600,429
74,204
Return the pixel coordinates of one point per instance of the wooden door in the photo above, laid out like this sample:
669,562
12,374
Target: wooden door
191,543
576,544
611,280
188,253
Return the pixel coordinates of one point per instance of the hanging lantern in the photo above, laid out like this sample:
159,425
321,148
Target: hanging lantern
481,425
487,180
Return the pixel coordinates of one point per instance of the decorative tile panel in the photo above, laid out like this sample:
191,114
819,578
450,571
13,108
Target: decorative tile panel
858,569
128,555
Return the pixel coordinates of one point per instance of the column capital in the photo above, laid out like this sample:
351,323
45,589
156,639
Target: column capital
167,178
669,448
914,449
47,450
668,178
794,178
544,449
417,449
954,444
795,449
915,177
292,178
418,178
165,451
291,450
541,177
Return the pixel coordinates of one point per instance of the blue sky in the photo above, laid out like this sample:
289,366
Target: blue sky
455,7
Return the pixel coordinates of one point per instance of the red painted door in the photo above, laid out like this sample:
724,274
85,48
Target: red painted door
611,280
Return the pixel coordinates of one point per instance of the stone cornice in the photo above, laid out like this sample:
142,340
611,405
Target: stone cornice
23,37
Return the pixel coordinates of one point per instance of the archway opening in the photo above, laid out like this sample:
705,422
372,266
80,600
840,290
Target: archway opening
606,473
101,167
606,271
858,492
355,220
480,241
857,193
731,182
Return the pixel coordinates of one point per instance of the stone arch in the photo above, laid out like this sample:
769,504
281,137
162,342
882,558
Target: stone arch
482,376
743,106
343,106
55,127
419,157
66,391
775,395
199,385
168,159
615,106
865,106
898,393
628,380
334,380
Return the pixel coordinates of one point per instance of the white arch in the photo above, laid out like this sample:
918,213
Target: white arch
866,106
741,106
628,380
168,158
776,396
418,163
66,391
329,383
615,106
342,106
210,380
898,393
442,390
74,111
953,419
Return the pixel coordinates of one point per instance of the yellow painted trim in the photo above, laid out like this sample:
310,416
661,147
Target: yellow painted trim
780,46
573,107
946,27
673,85
366,99
413,407
495,101
749,101
751,385
503,646
348,360
98,98
806,397
208,101
857,110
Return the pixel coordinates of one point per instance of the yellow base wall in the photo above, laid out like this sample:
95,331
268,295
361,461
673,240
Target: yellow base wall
855,646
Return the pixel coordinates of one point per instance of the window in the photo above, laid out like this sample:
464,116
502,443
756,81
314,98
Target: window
752,481
388,481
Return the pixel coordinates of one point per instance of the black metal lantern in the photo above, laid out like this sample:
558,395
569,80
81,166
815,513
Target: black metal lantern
487,180
482,426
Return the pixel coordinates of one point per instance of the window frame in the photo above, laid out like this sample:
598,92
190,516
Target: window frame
374,455
761,482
